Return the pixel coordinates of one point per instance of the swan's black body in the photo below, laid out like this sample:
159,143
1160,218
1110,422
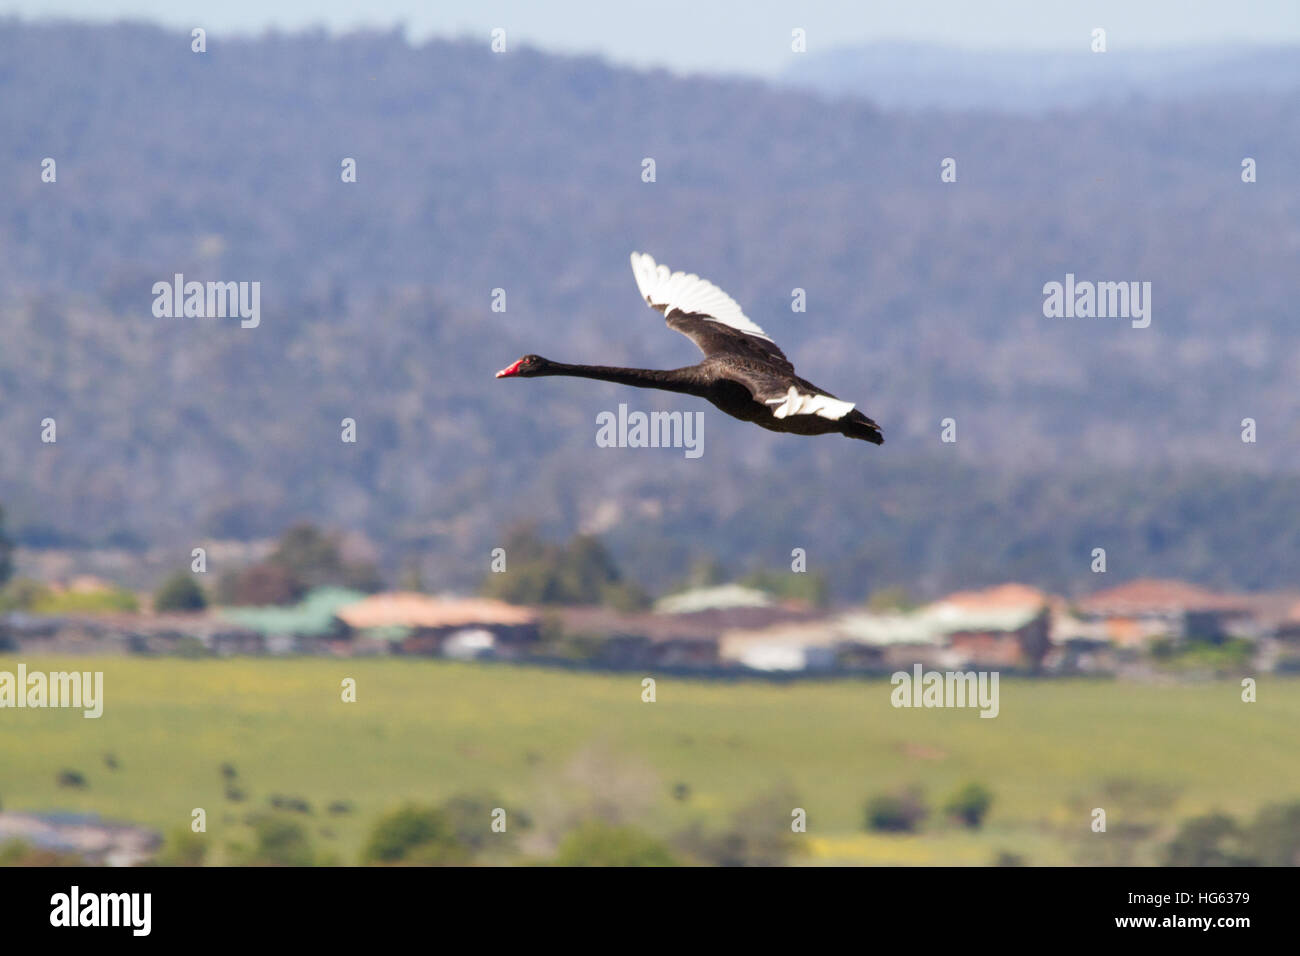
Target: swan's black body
743,372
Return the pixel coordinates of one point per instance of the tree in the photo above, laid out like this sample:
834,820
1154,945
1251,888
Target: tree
316,558
281,842
6,551
180,592
261,584
22,594
469,817
1274,837
706,572
969,805
579,572
810,587
596,843
1211,840
308,552
421,836
900,812
758,834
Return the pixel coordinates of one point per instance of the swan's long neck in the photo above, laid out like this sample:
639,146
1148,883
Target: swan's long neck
686,380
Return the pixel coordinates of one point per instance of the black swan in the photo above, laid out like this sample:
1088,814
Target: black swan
743,372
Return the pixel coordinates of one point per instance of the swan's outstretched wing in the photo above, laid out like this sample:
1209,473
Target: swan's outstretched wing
704,314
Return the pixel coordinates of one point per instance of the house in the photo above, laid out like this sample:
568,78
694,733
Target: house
178,633
1133,614
642,639
1078,646
684,630
1287,628
126,633
1005,626
454,627
797,646
310,626
894,639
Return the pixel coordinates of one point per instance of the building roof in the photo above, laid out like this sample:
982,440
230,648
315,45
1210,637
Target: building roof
1005,609
694,626
790,634
1152,596
313,616
1002,596
952,618
721,598
410,609
891,628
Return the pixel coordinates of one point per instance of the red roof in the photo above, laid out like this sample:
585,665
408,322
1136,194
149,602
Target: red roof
1148,596
1002,596
404,608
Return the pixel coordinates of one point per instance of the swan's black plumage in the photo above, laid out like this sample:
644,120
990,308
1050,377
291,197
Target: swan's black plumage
743,372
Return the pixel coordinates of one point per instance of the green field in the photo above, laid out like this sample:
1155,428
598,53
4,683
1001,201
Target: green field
551,743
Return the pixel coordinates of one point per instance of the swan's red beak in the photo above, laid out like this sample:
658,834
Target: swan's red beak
510,370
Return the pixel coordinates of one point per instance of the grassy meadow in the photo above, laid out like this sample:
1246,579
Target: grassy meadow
555,745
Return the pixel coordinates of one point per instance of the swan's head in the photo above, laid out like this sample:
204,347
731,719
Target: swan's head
524,367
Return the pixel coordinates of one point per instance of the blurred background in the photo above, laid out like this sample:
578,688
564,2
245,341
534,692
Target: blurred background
795,147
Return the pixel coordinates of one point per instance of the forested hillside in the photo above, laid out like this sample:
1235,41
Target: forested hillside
523,172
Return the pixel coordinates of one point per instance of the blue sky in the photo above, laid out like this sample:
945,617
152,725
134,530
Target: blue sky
751,36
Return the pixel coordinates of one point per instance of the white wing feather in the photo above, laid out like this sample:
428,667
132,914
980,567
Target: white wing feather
797,403
688,293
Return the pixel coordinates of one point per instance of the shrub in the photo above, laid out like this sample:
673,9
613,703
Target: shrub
1211,840
19,853
290,804
71,778
604,844
1274,837
21,594
422,836
758,834
969,805
896,812
281,842
470,816
6,551
180,592
107,600
184,847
